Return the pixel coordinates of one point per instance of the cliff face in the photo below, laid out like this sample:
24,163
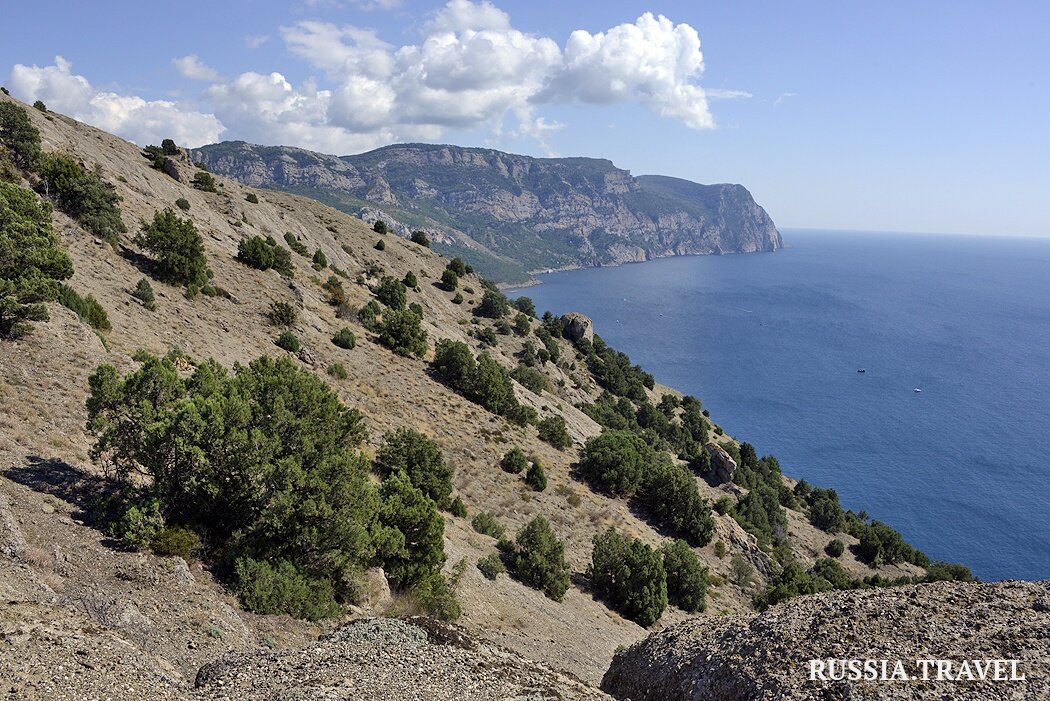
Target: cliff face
508,213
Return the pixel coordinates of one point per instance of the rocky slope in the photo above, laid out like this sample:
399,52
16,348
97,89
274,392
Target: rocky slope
508,214
768,656
81,617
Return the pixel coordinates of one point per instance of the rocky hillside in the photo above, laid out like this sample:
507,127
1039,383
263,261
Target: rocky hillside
509,214
768,656
87,615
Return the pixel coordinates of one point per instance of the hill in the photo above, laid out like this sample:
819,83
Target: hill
86,591
509,214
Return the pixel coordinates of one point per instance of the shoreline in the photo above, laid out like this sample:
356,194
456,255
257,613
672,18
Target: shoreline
534,282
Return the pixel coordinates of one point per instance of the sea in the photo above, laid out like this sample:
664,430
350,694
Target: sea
909,372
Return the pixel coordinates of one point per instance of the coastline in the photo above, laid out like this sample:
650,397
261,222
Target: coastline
534,282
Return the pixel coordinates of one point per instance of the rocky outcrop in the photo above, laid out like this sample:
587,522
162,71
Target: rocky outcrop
514,213
768,655
576,326
722,463
387,659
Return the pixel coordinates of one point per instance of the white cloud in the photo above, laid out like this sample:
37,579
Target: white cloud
652,61
724,94
254,41
781,97
129,116
470,69
193,68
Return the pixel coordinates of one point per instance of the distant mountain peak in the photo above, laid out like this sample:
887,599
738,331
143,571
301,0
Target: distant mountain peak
509,214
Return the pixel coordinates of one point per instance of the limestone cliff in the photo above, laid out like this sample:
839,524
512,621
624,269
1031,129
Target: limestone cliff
508,214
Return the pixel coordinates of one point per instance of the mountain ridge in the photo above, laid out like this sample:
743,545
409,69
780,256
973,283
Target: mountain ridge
508,214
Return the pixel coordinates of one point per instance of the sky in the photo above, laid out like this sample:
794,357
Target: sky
894,116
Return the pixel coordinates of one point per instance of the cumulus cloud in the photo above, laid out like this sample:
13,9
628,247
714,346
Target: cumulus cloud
193,68
652,61
129,116
470,69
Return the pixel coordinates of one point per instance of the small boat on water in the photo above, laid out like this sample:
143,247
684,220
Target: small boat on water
917,390
861,370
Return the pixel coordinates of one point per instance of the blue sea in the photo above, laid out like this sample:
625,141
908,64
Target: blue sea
772,344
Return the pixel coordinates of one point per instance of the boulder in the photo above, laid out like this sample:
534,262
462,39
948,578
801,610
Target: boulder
722,463
576,326
789,651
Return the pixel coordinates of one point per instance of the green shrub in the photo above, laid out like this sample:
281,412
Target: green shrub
538,559
720,549
379,227
183,204
629,576
283,588
345,338
449,280
380,245
435,595
530,378
264,460
338,371
368,315
287,341
483,380
536,477
144,293
295,244
32,264
39,105
552,430
514,461
525,306
491,566
19,136
460,268
417,456
457,508
420,237
494,305
835,548
402,332
723,506
251,198
686,577
760,513
176,542
391,292
87,308
282,314
139,525
948,572
458,299
83,195
522,325
674,502
336,294
881,544
204,181
177,247
320,260
413,548
410,281
617,461
486,524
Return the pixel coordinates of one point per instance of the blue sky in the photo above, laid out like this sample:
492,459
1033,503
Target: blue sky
885,116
